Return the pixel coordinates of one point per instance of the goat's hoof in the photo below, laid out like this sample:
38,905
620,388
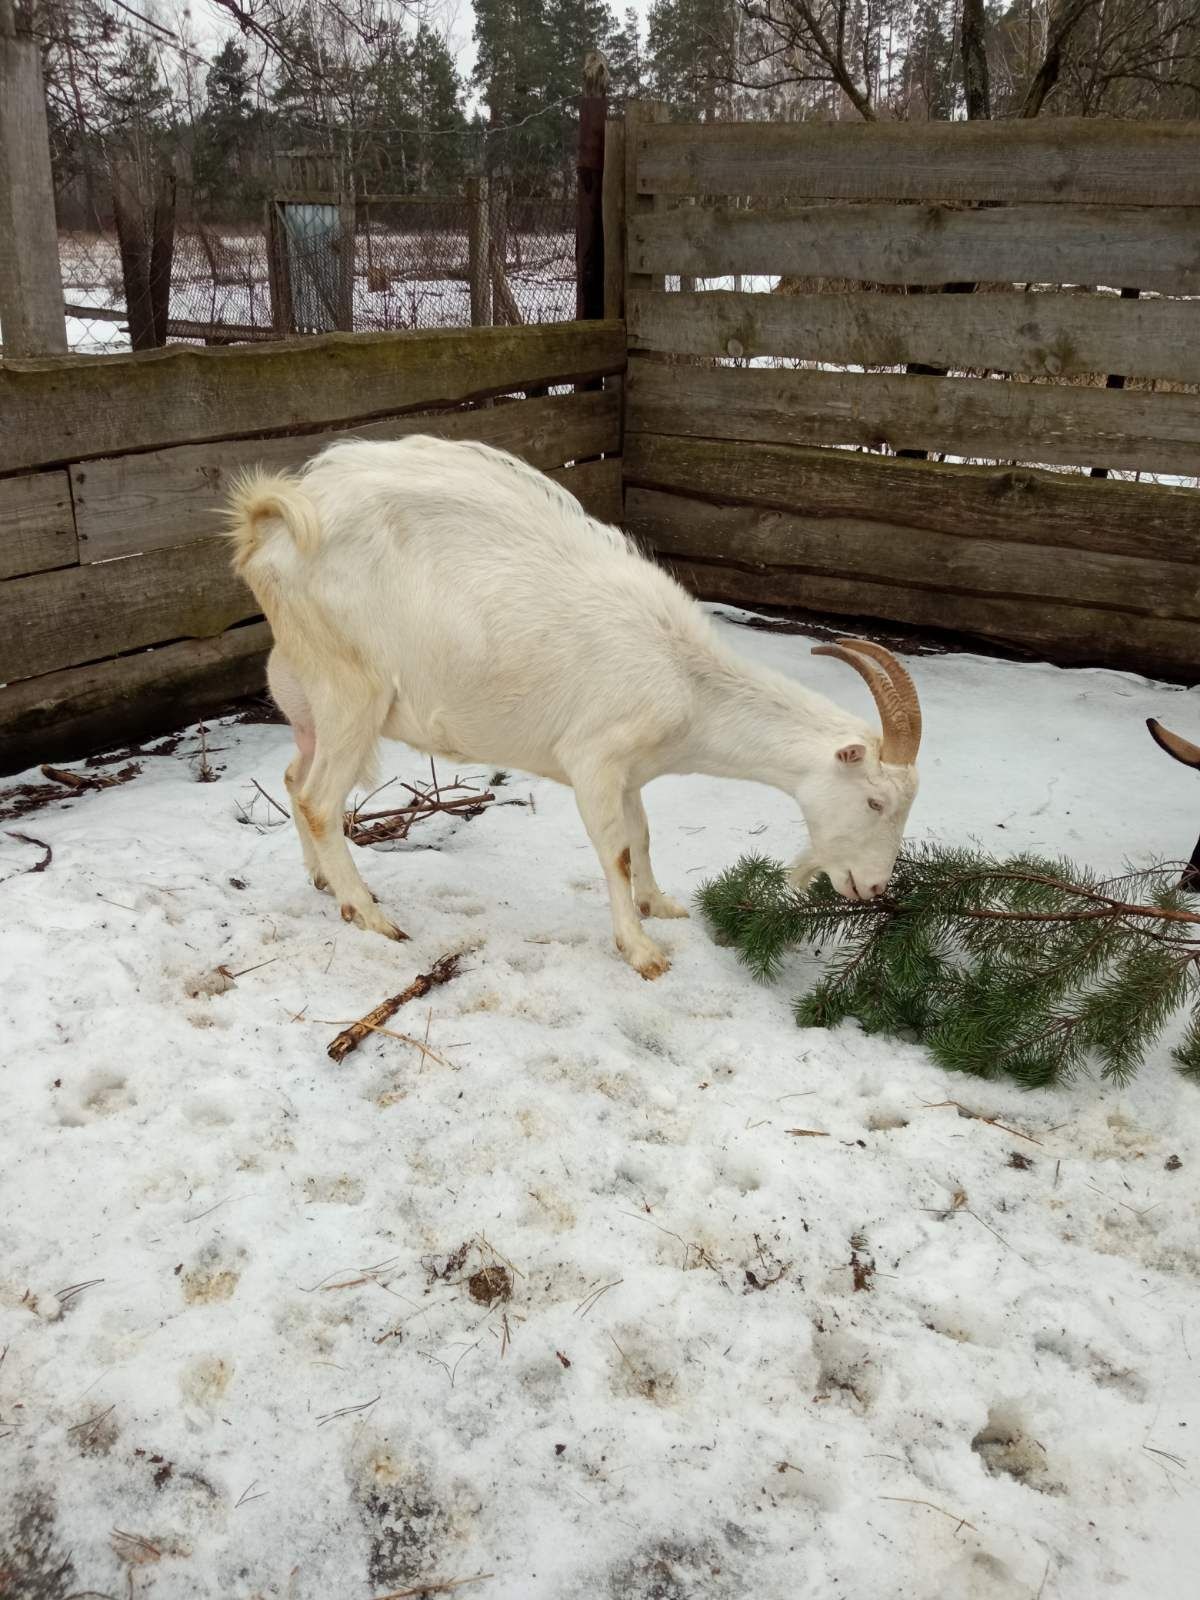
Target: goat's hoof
320,883
646,958
661,905
372,920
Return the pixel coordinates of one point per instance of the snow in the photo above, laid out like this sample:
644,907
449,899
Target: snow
277,1382
424,278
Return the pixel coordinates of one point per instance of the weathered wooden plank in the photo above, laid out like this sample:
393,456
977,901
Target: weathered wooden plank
1075,512
1060,159
37,529
77,614
597,487
1144,247
1071,635
71,408
1041,423
756,538
30,280
1035,335
65,715
127,504
614,218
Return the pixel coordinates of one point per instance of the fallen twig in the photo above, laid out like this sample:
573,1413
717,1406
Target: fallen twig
271,801
433,1586
38,866
81,781
376,827
350,1038
807,1133
978,1116
405,1038
904,1500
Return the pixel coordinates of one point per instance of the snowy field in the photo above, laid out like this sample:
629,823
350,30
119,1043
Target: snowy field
781,1321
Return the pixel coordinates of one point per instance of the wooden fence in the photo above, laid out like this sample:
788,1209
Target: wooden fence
119,614
730,468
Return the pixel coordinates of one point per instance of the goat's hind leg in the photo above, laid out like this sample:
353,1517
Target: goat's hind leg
288,694
348,720
647,896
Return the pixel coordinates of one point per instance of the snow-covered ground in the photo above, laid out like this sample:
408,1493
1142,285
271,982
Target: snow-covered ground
783,1321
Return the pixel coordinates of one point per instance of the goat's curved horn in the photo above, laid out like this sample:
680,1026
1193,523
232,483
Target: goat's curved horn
1182,749
904,686
893,691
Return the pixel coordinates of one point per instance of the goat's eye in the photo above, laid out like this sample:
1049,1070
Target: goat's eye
875,805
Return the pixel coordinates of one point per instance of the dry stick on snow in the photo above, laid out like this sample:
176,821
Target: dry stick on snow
904,1500
350,1038
978,1116
80,781
433,1586
38,866
423,1046
374,827
271,801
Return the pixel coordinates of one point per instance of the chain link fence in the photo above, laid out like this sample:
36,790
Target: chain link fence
412,268
497,246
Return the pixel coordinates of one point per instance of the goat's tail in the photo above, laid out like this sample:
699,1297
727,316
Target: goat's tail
260,505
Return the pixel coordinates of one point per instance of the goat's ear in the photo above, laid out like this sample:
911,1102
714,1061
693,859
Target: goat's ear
850,754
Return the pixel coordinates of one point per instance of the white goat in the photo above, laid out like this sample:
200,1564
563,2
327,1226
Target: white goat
452,597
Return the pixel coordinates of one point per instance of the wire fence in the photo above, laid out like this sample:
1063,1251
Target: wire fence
411,269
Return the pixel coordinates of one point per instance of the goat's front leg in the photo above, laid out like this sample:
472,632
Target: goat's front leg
599,794
647,896
343,750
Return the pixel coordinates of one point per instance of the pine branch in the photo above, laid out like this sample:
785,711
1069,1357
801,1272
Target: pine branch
1028,968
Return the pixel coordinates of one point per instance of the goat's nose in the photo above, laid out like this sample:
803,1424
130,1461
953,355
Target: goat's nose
874,890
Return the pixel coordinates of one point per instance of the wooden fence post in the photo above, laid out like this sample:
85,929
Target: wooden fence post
345,248
477,252
1116,380
162,252
278,274
638,114
614,218
32,321
589,192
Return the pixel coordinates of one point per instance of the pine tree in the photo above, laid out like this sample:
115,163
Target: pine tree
1028,968
626,61
692,49
227,132
138,102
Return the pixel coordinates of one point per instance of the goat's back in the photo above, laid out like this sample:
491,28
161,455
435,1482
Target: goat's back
477,582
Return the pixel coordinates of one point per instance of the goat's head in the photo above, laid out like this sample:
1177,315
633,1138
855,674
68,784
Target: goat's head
857,802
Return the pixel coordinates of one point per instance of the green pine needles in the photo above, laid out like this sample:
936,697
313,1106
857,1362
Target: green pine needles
1027,968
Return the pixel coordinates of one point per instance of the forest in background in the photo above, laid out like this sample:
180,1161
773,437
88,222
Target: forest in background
373,86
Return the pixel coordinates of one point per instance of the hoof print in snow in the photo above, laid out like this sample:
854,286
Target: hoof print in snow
846,1372
1008,1449
95,1436
406,1525
673,1570
209,1278
33,1564
639,1371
